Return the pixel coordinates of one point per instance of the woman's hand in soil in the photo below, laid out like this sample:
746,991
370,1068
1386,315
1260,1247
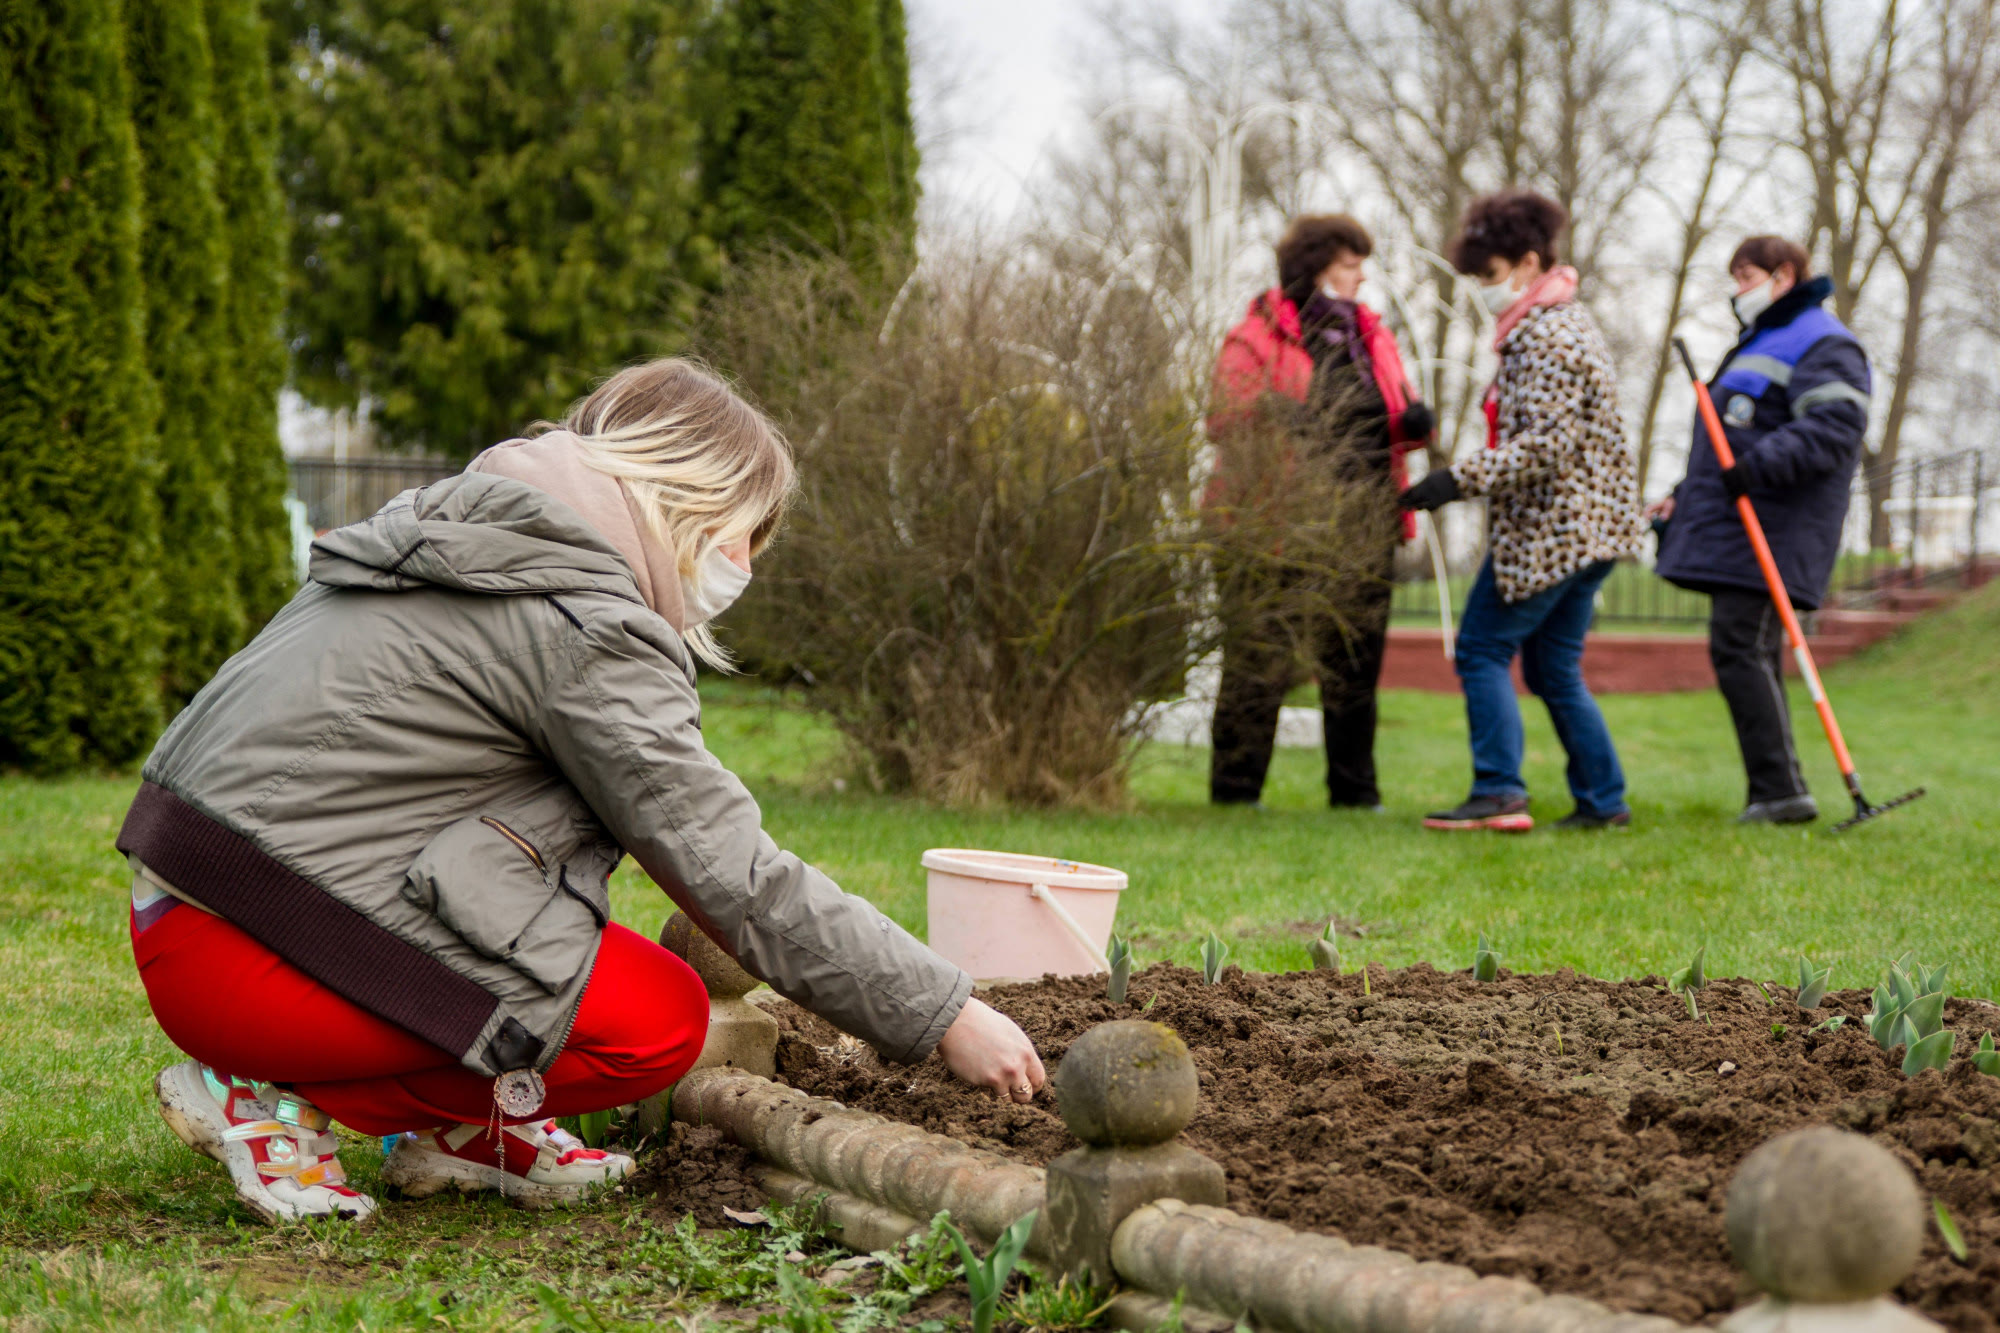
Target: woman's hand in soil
987,1049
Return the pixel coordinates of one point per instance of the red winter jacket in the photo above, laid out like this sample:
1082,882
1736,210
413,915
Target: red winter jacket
1266,353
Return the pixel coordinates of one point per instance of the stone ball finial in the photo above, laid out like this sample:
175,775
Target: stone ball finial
1823,1215
723,975
1126,1084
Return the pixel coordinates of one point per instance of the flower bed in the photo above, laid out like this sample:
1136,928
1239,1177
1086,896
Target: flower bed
1575,1132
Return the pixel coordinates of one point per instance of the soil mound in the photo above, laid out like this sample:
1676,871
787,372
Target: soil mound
695,1170
1574,1132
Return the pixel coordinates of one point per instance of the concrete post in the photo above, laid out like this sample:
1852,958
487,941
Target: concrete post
1825,1223
1126,1089
740,1035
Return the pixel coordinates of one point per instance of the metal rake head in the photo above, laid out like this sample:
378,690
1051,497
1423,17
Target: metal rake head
1863,812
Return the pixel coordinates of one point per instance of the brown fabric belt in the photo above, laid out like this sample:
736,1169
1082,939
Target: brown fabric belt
303,923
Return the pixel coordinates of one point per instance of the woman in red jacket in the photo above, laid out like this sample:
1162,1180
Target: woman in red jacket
1351,410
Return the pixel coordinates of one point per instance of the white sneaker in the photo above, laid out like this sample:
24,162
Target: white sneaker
535,1166
276,1145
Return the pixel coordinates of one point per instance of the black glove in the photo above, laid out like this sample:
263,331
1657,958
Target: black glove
1439,487
1735,482
1418,422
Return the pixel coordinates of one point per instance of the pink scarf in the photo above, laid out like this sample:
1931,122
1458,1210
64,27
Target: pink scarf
1555,287
1552,288
554,463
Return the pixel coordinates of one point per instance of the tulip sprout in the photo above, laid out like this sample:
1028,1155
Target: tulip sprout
1687,980
1485,961
1325,951
1119,955
1213,952
1812,985
1985,1058
1909,1012
987,1277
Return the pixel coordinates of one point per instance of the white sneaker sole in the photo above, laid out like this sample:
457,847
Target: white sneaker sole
420,1172
191,1113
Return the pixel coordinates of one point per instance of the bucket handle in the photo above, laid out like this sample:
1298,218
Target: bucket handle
1041,892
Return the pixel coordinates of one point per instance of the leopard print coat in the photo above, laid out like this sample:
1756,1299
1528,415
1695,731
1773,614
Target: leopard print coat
1564,493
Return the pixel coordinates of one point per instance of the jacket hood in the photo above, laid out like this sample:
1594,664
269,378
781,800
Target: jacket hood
478,532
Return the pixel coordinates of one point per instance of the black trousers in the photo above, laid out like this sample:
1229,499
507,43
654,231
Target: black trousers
1746,645
1259,659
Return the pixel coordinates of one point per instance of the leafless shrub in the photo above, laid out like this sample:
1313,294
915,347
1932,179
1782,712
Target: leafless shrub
996,560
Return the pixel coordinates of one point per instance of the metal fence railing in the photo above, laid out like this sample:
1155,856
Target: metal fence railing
339,491
1938,526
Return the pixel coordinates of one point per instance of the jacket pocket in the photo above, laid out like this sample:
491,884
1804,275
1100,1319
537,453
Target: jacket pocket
492,886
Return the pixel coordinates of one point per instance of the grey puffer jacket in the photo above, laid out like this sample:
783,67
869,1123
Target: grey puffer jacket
414,783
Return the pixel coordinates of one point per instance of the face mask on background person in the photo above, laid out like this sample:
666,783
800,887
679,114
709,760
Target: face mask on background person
1748,305
717,581
1499,297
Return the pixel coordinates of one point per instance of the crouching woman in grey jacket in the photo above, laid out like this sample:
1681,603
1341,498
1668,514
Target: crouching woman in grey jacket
370,857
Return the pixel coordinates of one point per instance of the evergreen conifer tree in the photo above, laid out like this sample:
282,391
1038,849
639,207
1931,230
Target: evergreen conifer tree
253,213
79,639
184,258
492,205
807,141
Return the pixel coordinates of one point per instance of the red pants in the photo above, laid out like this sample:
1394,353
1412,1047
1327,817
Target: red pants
240,1009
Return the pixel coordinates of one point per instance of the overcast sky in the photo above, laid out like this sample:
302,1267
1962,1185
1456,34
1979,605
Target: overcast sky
1013,71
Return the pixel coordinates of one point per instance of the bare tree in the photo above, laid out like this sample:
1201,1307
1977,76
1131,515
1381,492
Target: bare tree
1884,122
1713,106
1964,71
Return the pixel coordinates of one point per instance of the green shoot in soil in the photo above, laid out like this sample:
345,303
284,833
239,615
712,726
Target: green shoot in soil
1812,985
1831,1025
1120,958
1042,1306
1932,1052
1325,951
1485,961
1687,980
1947,1225
1986,1059
1778,1031
988,1277
1213,953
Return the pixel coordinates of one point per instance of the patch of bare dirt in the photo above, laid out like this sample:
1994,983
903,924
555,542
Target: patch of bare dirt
1575,1132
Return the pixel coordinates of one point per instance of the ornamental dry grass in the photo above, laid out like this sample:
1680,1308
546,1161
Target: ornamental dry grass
997,559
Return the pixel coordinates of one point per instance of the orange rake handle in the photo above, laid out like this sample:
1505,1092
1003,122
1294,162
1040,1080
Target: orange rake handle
1779,597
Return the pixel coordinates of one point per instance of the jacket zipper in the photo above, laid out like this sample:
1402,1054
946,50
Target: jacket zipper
517,840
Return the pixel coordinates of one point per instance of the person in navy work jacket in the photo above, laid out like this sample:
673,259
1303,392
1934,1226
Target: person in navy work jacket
1793,396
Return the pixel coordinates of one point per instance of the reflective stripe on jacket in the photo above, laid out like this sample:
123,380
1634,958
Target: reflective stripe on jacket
1793,397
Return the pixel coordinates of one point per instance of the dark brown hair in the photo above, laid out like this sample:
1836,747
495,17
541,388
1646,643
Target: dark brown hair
1313,242
1772,253
1509,225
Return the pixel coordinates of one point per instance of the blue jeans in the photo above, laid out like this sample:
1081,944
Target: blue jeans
1547,630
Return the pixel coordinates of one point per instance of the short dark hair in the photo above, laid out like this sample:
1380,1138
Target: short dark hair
1772,253
1311,243
1509,225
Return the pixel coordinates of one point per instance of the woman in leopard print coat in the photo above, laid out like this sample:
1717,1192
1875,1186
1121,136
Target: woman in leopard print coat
1563,506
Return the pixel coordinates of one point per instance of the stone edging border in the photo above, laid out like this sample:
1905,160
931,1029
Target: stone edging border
1825,1222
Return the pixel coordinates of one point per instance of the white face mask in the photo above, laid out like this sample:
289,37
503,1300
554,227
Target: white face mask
1748,305
717,582
1499,297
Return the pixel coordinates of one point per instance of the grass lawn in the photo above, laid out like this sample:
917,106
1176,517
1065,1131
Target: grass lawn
106,1221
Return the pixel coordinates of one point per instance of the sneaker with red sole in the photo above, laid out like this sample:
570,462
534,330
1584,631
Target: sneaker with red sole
536,1166
278,1148
1495,814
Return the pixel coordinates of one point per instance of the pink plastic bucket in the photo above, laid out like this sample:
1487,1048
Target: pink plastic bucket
1001,914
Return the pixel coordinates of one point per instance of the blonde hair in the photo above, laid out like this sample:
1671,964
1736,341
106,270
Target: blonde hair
703,464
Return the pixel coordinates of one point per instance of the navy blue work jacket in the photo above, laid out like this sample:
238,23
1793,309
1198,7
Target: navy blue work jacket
1793,396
